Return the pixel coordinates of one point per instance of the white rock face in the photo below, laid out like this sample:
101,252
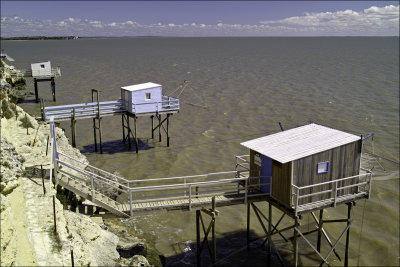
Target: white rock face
92,245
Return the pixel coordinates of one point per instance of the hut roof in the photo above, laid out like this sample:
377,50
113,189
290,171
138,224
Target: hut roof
141,86
299,142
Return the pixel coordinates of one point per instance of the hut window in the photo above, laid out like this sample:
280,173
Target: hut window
42,66
323,167
148,96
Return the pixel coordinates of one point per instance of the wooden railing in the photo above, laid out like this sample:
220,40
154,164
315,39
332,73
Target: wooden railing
93,109
90,109
332,191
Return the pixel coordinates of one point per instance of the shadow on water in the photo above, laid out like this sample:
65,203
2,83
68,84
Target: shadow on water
117,146
231,251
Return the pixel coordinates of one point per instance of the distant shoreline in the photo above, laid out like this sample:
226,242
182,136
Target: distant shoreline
30,38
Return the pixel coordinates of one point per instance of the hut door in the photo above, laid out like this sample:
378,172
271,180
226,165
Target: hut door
265,173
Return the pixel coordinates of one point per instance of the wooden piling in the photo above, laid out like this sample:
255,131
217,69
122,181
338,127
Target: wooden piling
248,226
54,212
47,145
42,174
36,90
214,240
295,243
53,88
320,224
152,126
168,130
72,258
73,128
101,143
198,238
123,128
159,127
346,255
136,139
94,135
129,131
269,232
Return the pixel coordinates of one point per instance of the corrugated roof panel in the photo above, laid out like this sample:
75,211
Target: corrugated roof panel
300,142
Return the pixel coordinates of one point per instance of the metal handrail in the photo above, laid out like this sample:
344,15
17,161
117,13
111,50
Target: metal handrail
332,191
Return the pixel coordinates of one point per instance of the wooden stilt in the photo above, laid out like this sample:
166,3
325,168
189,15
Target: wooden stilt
123,128
136,140
295,244
53,88
214,240
73,128
36,90
159,127
94,135
129,131
346,257
269,232
168,130
101,143
198,249
248,225
320,224
152,126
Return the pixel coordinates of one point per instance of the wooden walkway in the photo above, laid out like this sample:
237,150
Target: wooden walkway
92,110
125,197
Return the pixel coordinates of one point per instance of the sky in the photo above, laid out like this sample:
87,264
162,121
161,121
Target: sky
199,18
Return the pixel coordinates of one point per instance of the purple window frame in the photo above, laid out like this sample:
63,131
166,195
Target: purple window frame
326,169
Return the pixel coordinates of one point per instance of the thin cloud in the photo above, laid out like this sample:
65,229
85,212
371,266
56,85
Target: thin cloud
374,21
371,21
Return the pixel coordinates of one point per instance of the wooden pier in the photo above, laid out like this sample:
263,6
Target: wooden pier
96,110
125,197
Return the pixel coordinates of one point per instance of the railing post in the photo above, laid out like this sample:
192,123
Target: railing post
246,182
369,184
190,196
130,201
184,182
92,183
335,195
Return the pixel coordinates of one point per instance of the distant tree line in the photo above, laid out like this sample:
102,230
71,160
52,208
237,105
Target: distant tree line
41,38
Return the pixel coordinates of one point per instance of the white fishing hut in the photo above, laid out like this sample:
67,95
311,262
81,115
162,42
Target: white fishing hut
307,164
142,98
42,69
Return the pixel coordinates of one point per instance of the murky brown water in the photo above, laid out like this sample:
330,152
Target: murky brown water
249,85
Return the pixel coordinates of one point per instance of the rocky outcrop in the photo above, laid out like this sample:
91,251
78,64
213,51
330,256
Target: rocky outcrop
23,153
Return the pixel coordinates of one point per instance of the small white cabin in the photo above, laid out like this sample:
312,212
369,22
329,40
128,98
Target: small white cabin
142,98
41,69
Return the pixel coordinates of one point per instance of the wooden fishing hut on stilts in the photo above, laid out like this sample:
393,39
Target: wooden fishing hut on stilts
138,100
304,170
43,72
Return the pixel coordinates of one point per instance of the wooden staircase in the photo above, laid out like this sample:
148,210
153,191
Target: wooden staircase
98,198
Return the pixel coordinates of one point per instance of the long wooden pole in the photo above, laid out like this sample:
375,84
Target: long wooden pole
214,240
53,88
269,232
94,135
198,250
73,128
136,139
168,130
248,226
320,224
346,257
296,245
36,90
54,212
